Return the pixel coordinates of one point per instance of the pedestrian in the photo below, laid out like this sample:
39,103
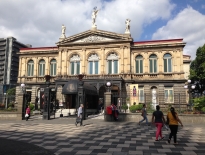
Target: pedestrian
173,120
114,112
27,113
144,115
158,120
79,119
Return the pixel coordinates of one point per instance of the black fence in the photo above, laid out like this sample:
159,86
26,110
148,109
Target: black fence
8,102
179,101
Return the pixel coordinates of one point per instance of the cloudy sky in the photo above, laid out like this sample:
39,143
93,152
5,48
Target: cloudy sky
38,22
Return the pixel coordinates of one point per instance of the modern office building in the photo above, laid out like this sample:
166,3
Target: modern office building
9,63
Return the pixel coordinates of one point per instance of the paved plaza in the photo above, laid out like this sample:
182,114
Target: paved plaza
61,137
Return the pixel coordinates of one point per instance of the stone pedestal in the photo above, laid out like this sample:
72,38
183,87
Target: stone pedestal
107,103
20,106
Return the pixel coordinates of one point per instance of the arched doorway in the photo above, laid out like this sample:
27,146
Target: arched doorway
154,97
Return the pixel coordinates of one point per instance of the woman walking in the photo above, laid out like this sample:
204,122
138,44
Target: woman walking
158,120
173,120
28,111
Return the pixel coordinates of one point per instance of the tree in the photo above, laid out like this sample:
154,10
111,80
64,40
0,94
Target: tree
197,70
11,91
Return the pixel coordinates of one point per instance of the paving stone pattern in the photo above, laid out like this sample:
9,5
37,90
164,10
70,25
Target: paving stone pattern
103,138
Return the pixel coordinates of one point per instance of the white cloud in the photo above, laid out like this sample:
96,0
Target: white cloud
38,22
188,24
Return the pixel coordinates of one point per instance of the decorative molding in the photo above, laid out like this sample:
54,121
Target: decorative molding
74,58
113,56
93,38
93,57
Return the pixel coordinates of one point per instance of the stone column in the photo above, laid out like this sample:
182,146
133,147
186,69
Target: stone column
107,102
20,106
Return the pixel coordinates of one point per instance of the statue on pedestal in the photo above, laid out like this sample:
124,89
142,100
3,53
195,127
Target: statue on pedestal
63,32
127,22
94,15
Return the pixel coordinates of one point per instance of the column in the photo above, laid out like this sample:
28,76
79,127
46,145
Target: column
59,62
107,102
122,59
103,61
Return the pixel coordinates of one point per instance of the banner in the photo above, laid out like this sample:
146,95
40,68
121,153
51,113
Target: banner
134,94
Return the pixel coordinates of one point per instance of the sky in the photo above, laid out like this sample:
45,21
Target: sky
38,22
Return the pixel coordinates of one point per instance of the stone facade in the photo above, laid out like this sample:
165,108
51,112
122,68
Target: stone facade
157,64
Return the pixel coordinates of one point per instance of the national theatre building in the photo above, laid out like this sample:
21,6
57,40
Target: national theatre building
139,71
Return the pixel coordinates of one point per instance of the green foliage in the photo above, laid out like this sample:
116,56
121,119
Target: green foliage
199,103
11,105
11,91
197,69
32,106
133,108
139,106
124,107
203,109
150,107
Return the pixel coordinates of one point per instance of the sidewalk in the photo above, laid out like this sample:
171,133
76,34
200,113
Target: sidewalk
61,137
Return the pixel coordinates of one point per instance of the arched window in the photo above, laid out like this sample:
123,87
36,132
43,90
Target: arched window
153,63
167,63
53,67
75,65
112,61
139,64
41,68
30,68
93,61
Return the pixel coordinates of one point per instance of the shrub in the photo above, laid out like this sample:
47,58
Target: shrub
124,107
199,103
139,106
11,105
203,109
32,106
133,108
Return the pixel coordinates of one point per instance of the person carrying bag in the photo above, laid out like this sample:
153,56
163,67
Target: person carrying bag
79,118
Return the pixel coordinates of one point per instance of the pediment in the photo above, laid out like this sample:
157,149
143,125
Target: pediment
94,36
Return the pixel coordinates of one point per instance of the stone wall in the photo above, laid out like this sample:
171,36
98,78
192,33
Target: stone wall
136,117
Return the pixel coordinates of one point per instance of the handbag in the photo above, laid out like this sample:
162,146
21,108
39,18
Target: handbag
26,115
78,119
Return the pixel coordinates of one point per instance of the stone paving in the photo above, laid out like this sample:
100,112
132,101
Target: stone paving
61,137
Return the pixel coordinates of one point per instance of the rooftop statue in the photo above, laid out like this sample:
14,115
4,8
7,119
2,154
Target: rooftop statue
63,28
94,15
127,22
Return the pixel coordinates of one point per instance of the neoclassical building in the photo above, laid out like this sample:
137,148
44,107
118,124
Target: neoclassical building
157,68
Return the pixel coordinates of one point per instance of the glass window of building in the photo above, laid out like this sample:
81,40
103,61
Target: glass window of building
75,65
168,95
93,62
112,63
30,68
139,64
53,67
141,94
41,68
167,63
153,63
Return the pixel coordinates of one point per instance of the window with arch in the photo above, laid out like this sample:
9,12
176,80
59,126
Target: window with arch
139,64
93,62
112,61
167,63
153,63
53,67
41,67
75,65
30,68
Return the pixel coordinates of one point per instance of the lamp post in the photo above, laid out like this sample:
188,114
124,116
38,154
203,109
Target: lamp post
108,86
23,88
190,87
46,107
5,101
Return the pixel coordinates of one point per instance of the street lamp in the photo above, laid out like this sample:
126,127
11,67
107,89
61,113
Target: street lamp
5,101
190,87
23,88
108,85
